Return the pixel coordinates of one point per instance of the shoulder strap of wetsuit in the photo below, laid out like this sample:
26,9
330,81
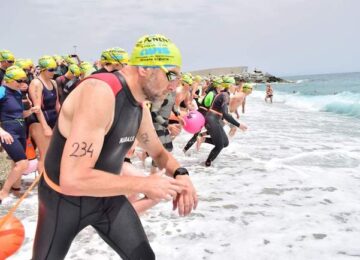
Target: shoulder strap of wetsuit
111,79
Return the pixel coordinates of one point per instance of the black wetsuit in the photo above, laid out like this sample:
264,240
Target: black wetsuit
62,217
65,86
214,126
202,109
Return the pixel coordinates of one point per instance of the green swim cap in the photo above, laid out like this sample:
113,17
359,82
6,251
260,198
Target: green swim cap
6,55
75,70
114,56
155,51
47,62
14,73
187,79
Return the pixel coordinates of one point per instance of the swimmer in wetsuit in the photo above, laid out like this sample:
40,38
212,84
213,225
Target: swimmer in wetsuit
81,185
213,121
67,83
43,93
205,104
13,129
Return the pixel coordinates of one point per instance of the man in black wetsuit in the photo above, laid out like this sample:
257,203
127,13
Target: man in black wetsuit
98,124
213,121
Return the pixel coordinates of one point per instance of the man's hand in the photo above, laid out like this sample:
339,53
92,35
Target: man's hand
187,200
162,187
6,137
174,129
243,127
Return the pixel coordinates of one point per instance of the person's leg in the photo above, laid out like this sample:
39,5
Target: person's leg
16,152
58,224
14,175
122,230
42,143
216,132
190,142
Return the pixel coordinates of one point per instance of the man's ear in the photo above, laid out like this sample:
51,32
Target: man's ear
143,71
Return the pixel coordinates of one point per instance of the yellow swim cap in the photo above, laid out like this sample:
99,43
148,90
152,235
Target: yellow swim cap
198,78
186,78
25,64
75,70
155,51
21,63
47,62
29,63
228,81
114,56
58,58
86,68
6,55
14,73
247,88
217,81
70,60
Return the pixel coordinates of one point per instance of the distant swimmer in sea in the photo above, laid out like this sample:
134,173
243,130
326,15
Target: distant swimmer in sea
269,93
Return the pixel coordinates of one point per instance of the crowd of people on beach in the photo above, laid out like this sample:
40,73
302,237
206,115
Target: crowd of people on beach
91,119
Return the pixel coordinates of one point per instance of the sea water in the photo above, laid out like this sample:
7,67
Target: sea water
288,188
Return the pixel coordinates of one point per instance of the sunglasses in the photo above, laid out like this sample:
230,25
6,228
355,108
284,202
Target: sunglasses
170,75
10,61
20,81
51,70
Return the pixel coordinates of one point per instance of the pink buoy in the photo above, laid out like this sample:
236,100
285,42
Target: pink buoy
32,167
193,122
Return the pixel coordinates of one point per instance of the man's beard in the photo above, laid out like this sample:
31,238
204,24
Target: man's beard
149,90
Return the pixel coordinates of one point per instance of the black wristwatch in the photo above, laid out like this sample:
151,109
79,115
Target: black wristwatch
181,171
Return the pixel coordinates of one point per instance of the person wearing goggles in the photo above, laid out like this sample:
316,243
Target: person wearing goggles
43,93
12,127
98,124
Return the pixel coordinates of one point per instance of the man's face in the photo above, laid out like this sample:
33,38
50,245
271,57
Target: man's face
6,64
156,86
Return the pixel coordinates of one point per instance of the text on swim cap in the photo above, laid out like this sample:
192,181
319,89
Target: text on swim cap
152,51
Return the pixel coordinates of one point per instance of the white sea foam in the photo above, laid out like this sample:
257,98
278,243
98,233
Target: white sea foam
286,189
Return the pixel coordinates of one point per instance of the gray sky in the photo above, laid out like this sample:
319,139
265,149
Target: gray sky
282,37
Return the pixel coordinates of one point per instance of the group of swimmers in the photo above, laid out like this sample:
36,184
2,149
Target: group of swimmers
79,145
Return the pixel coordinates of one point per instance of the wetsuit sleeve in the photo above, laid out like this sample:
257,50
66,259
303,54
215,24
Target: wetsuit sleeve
229,117
2,92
